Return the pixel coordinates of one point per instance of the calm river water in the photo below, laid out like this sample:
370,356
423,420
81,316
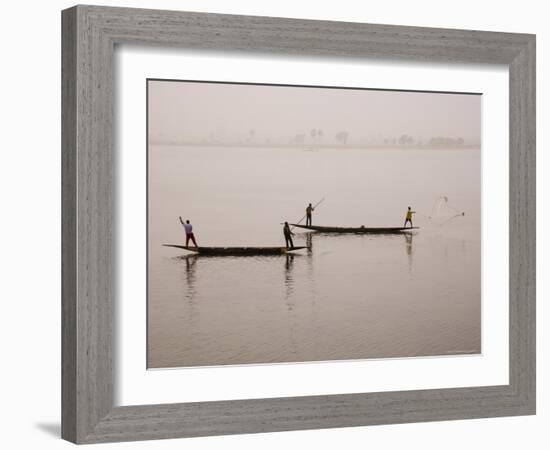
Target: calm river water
349,296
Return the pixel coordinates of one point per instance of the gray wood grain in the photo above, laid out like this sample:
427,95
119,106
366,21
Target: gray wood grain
68,227
89,36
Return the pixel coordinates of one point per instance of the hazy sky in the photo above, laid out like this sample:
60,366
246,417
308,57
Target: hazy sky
187,111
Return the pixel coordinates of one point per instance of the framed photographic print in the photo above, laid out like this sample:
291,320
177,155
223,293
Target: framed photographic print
278,224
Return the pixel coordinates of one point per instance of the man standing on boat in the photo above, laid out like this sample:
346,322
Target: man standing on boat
309,210
409,217
188,232
288,236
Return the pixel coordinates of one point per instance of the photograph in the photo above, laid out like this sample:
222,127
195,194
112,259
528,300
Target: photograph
301,224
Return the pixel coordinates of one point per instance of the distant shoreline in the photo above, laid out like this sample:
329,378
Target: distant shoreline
319,147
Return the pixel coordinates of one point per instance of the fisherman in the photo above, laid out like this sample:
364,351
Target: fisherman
409,217
188,232
309,210
288,236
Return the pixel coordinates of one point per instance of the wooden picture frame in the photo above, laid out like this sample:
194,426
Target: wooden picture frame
90,34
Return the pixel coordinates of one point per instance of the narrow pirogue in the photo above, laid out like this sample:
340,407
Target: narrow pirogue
236,251
358,230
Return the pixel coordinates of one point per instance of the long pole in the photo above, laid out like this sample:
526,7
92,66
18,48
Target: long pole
316,204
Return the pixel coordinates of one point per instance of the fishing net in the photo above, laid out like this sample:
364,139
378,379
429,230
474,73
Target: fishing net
443,212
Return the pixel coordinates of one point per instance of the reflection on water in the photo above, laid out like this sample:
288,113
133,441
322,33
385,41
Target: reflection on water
289,281
379,309
309,242
409,249
344,297
190,276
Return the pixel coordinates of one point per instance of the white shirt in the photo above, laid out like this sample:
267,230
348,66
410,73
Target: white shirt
188,228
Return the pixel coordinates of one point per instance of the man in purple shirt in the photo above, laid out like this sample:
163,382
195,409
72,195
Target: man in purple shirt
188,232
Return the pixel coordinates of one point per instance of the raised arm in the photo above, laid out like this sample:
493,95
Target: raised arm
181,220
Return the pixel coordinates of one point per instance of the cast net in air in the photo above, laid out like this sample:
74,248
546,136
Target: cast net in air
443,212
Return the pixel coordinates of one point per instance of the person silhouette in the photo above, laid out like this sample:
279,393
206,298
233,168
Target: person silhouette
408,217
309,210
189,235
288,236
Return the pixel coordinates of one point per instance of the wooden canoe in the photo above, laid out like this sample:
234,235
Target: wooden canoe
357,230
236,251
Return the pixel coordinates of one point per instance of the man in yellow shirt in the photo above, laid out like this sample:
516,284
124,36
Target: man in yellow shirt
409,217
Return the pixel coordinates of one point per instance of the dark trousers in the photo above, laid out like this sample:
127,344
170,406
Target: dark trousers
191,237
288,240
408,221
308,220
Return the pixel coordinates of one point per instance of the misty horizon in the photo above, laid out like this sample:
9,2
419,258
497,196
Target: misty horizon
205,113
